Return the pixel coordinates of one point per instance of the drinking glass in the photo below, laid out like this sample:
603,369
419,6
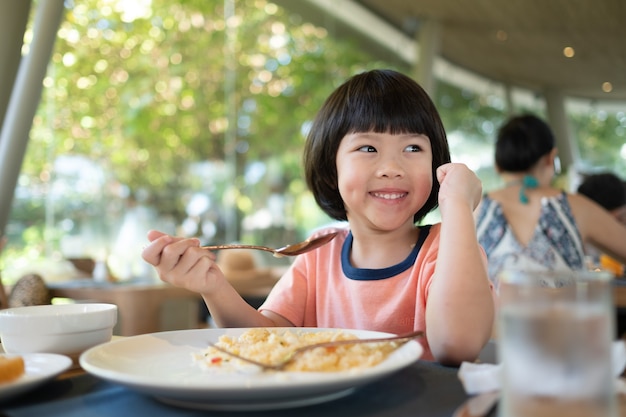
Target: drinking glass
555,333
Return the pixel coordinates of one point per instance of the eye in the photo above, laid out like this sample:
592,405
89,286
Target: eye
413,148
366,148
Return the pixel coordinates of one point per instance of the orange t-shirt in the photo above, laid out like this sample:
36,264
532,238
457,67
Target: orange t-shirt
321,289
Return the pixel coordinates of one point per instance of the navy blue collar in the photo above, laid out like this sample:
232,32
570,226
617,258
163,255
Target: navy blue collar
364,274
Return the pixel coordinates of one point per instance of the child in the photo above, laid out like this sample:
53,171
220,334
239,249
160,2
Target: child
376,156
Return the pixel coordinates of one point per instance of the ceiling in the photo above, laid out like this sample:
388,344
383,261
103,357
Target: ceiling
516,42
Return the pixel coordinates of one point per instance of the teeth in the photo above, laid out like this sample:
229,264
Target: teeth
390,196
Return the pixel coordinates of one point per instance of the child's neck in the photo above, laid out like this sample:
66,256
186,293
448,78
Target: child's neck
378,251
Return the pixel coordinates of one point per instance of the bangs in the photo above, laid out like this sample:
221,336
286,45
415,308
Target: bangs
386,116
386,105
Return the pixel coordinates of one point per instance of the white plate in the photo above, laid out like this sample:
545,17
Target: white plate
39,368
162,365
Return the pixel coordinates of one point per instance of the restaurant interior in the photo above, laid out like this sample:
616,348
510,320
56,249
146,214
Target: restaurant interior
116,118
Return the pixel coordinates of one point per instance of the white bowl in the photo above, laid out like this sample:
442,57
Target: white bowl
67,329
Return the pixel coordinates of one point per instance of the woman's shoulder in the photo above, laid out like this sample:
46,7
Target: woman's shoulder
584,208
499,194
486,205
576,199
495,198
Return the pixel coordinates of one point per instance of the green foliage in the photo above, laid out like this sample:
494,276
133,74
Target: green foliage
150,96
468,112
601,138
167,100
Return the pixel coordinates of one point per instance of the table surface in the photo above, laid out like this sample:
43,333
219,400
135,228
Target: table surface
422,389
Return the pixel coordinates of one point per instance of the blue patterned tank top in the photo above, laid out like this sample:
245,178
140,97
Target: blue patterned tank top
556,243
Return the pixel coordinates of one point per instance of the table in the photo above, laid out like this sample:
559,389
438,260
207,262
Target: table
422,389
139,304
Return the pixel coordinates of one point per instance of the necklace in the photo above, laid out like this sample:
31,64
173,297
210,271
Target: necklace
527,182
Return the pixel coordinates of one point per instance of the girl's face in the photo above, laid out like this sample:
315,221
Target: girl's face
384,179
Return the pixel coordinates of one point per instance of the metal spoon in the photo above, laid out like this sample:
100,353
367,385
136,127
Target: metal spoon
289,250
287,359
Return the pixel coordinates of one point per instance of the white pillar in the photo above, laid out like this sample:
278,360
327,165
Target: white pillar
565,140
24,102
428,39
510,103
13,21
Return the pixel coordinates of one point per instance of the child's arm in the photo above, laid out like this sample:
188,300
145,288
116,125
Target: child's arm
183,263
460,305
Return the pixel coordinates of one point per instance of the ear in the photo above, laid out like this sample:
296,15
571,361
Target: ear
552,156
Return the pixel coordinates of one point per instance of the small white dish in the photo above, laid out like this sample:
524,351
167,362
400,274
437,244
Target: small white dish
39,368
162,366
65,329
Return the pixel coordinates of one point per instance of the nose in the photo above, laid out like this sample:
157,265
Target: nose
390,168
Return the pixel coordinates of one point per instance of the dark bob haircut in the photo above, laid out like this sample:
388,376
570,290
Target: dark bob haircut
381,101
521,142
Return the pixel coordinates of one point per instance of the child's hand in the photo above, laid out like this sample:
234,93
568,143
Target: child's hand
183,263
457,181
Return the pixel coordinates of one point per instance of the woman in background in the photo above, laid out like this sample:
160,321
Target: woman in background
529,223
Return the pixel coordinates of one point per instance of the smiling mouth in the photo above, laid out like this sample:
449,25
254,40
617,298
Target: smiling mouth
390,196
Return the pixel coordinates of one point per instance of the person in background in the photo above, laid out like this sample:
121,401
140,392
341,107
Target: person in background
376,156
608,190
531,224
